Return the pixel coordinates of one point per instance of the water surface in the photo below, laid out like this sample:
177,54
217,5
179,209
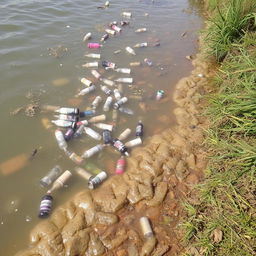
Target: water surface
28,28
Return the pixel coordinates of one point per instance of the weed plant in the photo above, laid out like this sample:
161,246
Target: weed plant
224,222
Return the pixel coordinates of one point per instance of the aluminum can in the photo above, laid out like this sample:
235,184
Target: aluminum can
94,182
139,129
107,138
45,206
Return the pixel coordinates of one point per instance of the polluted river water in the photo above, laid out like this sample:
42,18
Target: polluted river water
42,53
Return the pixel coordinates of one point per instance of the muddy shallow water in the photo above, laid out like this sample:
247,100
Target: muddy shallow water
42,56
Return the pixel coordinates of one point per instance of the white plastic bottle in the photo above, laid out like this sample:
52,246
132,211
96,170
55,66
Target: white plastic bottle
108,82
105,89
130,50
96,119
87,36
117,94
96,102
141,45
133,143
125,134
96,74
139,30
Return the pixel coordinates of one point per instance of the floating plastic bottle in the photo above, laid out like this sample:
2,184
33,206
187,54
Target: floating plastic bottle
110,31
114,115
68,111
113,23
126,110
87,90
135,64
105,89
79,131
116,28
141,45
133,143
91,65
50,107
91,167
108,64
124,23
84,122
51,176
45,206
87,113
96,102
107,138
67,117
63,123
94,182
86,82
75,158
119,145
130,50
94,45
120,102
123,70
139,129
69,134
60,182
159,94
148,61
104,37
139,30
93,55
127,14
107,3
117,94
127,80
146,227
125,134
108,82
96,74
104,126
61,140
92,133
87,36
107,104
83,173
92,151
96,119
120,165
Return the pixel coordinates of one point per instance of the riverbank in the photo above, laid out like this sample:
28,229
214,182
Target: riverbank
223,220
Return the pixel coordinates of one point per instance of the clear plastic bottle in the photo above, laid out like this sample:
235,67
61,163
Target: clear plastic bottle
92,151
130,50
139,30
87,36
107,104
91,65
96,102
141,45
127,80
108,82
93,55
120,102
117,94
105,89
126,110
92,133
96,74
110,31
63,123
51,176
61,140
83,173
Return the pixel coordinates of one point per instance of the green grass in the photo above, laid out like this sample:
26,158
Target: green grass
228,193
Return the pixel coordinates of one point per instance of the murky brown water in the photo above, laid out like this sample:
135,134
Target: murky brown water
28,29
